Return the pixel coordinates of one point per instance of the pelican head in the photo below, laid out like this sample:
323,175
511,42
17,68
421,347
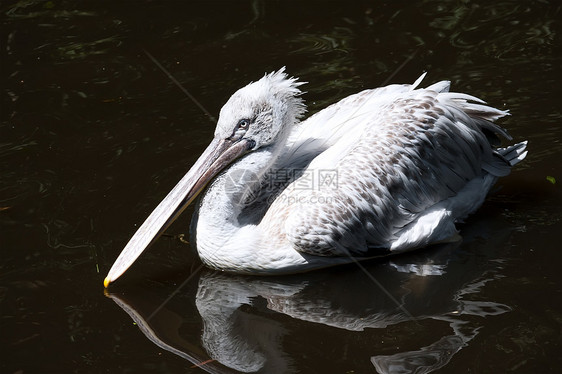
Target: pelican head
256,116
262,111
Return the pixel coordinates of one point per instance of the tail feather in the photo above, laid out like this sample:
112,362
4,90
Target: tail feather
440,87
514,153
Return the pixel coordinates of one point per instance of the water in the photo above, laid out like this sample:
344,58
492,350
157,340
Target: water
93,135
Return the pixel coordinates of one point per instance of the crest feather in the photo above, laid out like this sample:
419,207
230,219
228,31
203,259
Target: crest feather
287,87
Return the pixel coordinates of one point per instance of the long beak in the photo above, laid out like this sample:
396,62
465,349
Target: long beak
219,154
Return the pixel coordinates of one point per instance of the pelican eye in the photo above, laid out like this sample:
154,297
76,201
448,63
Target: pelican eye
243,124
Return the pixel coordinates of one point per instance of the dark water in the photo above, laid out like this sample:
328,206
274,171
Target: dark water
93,136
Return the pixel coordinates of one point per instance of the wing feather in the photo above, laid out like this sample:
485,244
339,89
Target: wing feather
404,151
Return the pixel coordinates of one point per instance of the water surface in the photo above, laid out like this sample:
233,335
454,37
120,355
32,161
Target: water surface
93,135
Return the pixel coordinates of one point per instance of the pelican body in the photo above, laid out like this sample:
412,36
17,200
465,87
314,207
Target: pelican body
383,171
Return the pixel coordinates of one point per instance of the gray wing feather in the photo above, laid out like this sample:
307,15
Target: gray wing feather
423,148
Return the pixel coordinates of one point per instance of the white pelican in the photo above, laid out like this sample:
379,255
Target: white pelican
383,171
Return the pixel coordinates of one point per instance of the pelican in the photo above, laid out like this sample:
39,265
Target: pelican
383,171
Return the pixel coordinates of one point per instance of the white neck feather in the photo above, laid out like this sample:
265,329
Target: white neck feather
222,240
